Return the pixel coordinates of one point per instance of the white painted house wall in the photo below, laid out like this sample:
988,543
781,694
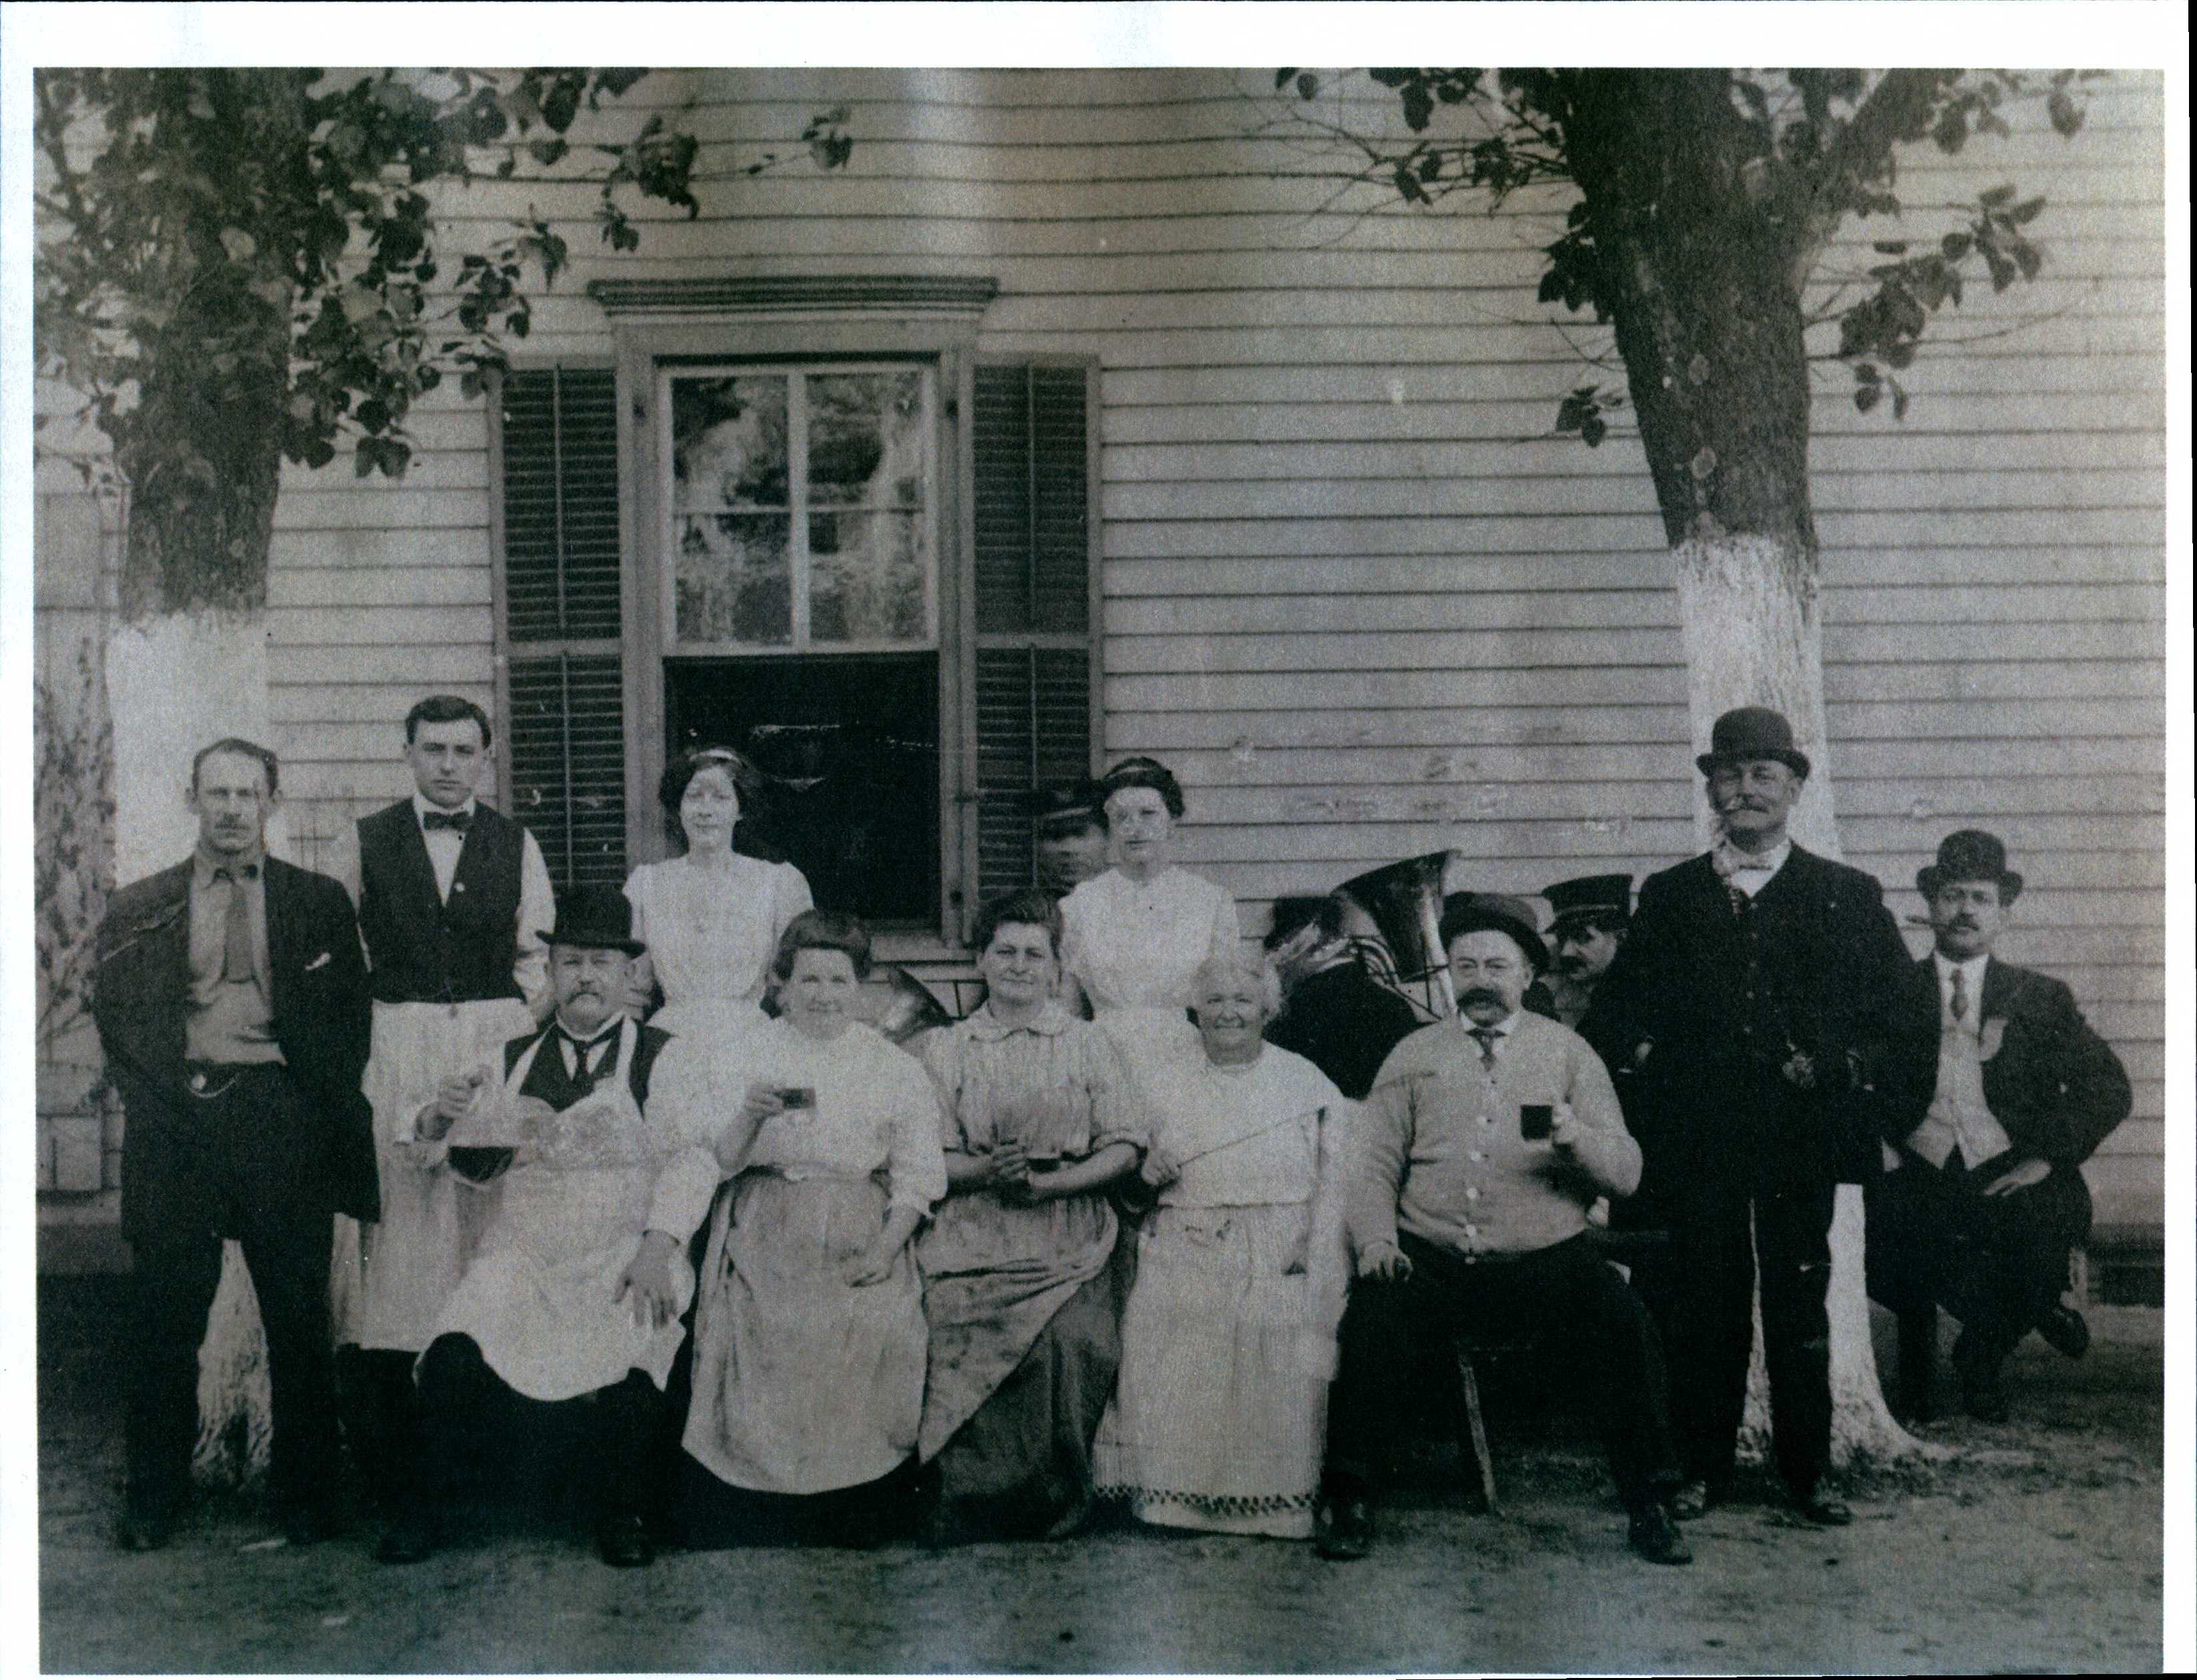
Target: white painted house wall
1352,591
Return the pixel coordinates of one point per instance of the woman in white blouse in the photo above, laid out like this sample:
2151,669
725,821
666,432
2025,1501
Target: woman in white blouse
1138,934
809,1335
1228,1337
710,918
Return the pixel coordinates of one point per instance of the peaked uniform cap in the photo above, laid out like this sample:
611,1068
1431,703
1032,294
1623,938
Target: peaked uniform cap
1749,733
1591,894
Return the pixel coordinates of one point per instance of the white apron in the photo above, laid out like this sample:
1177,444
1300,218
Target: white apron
390,1279
540,1298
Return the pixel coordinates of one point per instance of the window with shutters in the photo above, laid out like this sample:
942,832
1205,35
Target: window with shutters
558,588
859,554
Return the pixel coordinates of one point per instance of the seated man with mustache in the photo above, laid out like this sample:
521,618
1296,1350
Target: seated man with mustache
1485,1139
1981,1202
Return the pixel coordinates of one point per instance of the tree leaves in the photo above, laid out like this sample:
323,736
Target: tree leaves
281,193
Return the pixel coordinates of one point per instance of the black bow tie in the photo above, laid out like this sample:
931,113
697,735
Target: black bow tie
240,872
460,820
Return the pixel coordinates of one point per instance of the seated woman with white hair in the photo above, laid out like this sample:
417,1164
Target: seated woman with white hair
1228,1336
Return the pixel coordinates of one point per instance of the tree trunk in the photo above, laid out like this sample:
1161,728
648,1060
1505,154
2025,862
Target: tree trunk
1699,291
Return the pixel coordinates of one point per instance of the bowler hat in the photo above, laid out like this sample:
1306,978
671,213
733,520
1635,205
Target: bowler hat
1749,733
1599,895
1969,854
1480,913
599,917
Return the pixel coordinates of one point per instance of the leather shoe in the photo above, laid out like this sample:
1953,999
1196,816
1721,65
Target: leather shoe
1824,1510
2067,1331
1657,1537
623,1543
1691,1501
136,1531
307,1524
1342,1530
411,1537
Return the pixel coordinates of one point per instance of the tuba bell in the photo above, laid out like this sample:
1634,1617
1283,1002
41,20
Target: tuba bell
910,1008
1400,905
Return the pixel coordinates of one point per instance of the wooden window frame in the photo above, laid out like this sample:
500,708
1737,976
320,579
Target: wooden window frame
658,324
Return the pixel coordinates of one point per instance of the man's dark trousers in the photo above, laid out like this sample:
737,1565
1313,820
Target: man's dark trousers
236,1172
1997,1263
1724,1227
1567,1287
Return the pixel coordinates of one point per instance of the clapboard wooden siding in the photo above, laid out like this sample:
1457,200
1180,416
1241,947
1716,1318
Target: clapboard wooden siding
1352,589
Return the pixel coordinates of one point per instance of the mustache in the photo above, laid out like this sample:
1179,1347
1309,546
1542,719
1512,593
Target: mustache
1482,994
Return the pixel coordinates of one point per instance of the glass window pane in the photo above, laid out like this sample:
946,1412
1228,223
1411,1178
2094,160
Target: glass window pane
734,583
866,577
866,435
728,443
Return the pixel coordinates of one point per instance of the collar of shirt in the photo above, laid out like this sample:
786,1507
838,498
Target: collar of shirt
421,805
204,863
1971,974
1049,1020
1729,862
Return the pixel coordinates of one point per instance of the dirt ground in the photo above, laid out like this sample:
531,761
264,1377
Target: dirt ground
2038,1549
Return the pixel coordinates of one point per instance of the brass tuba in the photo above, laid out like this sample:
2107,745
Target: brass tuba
1396,917
910,1008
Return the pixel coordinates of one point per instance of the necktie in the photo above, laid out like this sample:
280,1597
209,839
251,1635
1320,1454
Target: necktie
583,1054
1960,1004
460,820
1487,1036
237,926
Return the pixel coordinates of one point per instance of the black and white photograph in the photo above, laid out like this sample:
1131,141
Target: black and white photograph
951,838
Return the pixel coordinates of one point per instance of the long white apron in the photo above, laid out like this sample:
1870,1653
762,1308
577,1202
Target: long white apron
390,1279
540,1298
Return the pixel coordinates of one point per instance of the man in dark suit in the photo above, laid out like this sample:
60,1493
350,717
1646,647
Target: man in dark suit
231,1002
1981,1202
1752,1004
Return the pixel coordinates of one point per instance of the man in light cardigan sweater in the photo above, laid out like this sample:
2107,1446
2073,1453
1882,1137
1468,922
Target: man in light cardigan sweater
1465,1217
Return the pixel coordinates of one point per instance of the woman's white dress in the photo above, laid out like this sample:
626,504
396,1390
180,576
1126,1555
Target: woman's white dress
803,1383
1228,1338
711,933
1135,946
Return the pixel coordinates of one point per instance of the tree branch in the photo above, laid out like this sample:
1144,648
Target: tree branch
1896,108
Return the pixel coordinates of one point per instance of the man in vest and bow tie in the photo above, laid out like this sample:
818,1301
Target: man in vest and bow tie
231,1005
599,1132
1981,1202
451,895
1751,1005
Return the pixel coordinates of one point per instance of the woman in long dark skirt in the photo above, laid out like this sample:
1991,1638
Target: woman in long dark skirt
1024,1321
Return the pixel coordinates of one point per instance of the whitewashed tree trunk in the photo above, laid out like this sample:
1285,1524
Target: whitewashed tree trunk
175,683
1753,637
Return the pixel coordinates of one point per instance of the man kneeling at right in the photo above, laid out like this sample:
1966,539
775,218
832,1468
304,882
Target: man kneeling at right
1487,1136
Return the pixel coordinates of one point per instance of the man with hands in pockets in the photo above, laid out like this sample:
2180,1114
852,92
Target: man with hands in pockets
1486,1138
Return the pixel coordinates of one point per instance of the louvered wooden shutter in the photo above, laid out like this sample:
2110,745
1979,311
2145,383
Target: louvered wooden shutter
1035,641
561,618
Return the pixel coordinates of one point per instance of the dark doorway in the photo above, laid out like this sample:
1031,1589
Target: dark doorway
848,747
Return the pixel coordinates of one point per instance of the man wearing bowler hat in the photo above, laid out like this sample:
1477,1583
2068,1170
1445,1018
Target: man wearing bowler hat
1981,1202
1485,1140
1593,912
600,1130
1752,1002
